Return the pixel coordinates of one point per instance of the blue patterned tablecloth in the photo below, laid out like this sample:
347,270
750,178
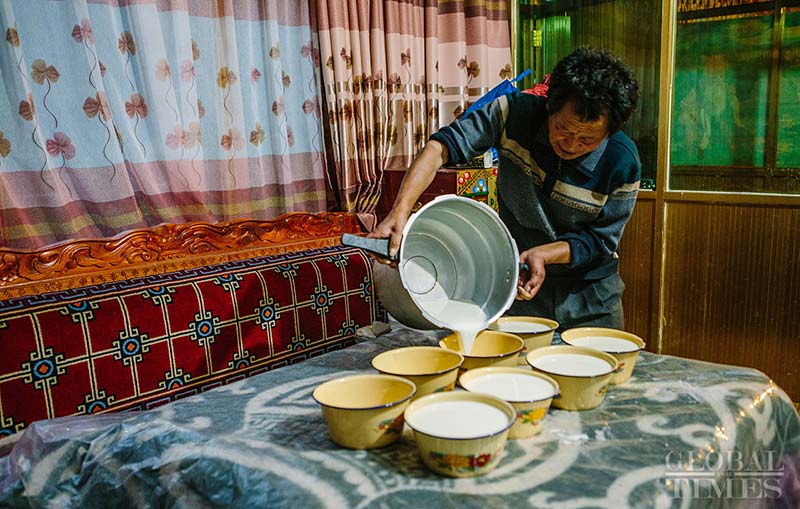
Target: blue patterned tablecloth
680,433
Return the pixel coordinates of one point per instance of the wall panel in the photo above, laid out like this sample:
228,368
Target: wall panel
635,267
732,287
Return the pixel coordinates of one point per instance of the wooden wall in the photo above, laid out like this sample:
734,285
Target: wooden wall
731,285
636,268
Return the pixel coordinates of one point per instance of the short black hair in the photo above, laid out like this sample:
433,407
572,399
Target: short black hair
598,82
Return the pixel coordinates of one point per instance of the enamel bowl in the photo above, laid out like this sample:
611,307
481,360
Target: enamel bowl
431,369
582,374
364,411
536,332
459,433
491,348
624,346
529,392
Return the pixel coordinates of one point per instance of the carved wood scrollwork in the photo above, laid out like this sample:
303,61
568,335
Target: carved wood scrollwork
164,248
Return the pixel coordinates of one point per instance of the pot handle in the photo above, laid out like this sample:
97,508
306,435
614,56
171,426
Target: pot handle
377,246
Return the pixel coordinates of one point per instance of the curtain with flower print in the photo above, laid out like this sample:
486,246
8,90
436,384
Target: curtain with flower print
119,114
394,72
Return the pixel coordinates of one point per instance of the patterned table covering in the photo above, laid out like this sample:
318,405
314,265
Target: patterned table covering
262,442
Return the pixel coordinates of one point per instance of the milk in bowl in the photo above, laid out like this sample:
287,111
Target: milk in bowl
624,346
582,374
529,392
535,331
460,434
517,327
490,348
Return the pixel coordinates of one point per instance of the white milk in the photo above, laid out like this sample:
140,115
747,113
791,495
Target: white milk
605,344
572,364
458,419
511,387
522,327
466,319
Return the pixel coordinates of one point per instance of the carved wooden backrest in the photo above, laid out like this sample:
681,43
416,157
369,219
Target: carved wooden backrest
164,248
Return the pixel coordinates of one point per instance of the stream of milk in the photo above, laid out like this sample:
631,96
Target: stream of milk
465,318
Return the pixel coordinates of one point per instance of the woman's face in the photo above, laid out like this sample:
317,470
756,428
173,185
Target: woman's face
571,137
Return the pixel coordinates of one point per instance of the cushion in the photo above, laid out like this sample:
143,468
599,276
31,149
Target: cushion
138,343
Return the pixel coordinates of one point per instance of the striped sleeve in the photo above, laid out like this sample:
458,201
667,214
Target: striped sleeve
474,134
601,239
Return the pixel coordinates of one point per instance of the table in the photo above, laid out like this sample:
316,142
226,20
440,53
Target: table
261,442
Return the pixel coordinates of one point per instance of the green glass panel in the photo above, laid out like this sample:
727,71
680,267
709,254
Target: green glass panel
527,51
789,106
720,101
556,40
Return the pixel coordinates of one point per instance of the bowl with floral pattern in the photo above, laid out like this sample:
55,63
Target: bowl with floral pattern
624,346
364,411
491,348
582,374
460,433
432,369
535,331
529,392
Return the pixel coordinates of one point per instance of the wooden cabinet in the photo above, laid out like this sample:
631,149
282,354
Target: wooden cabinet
478,184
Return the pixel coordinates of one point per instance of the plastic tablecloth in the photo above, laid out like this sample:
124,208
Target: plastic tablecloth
680,433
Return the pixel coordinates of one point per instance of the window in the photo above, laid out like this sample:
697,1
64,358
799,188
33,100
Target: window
736,100
629,28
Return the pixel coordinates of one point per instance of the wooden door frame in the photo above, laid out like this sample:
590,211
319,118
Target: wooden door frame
666,80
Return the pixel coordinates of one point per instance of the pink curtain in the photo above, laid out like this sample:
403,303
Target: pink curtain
121,114
393,72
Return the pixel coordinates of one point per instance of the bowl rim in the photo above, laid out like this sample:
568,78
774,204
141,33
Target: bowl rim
488,370
418,348
620,334
579,350
498,356
512,318
341,379
454,395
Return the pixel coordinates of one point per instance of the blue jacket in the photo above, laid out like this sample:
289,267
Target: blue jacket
585,202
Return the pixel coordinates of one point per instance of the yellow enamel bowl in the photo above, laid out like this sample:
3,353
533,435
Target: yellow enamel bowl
431,369
529,392
459,433
582,374
624,346
491,348
364,411
536,332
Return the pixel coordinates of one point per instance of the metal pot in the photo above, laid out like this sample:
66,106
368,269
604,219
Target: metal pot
453,248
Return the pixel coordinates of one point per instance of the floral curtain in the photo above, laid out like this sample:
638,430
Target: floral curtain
394,72
119,114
